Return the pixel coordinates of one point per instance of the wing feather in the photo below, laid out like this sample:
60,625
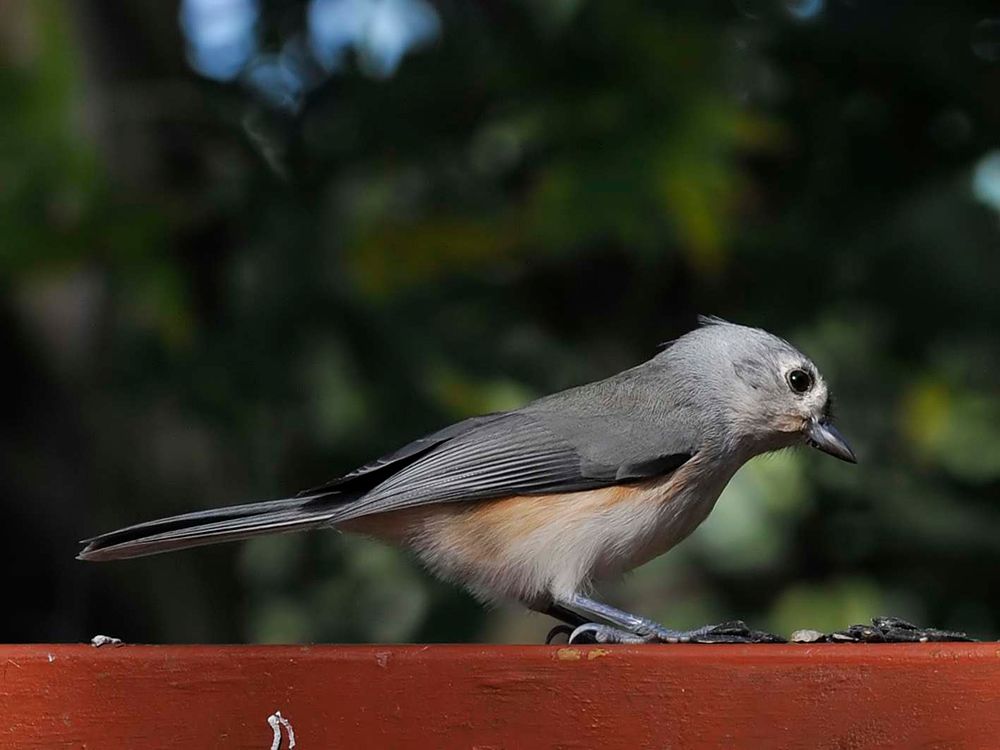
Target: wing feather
514,454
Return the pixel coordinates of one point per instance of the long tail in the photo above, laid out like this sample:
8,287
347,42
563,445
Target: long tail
209,527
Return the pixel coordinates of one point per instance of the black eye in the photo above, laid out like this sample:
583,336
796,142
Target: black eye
800,381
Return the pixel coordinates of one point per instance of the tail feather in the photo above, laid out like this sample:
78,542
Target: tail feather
208,527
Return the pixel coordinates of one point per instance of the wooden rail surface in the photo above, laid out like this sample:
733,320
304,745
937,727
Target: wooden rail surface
493,697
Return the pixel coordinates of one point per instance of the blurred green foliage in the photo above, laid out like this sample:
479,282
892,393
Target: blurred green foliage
207,300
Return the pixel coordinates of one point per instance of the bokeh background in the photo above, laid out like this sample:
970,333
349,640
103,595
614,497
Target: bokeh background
246,245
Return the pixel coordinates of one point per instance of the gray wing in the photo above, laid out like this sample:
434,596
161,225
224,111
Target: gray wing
547,448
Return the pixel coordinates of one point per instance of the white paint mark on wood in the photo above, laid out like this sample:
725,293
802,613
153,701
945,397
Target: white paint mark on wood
276,722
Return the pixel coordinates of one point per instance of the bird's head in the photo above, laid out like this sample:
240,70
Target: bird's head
766,392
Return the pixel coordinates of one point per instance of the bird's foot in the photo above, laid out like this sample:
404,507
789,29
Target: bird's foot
557,631
735,631
882,630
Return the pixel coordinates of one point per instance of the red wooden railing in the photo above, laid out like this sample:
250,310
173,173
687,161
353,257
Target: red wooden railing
493,697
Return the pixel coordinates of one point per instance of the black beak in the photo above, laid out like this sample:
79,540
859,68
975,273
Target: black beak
824,436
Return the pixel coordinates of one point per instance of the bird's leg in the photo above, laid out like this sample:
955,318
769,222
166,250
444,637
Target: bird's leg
619,626
567,616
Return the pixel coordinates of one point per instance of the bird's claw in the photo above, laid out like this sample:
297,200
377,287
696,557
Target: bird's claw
735,631
557,631
594,632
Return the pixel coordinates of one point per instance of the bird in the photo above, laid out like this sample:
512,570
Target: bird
538,504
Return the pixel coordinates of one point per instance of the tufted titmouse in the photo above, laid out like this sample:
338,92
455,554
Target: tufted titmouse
535,504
